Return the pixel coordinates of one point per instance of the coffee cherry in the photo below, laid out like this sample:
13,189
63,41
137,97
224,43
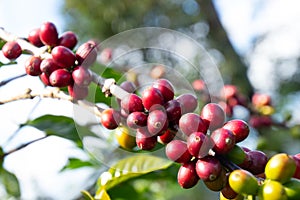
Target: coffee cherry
110,118
11,50
258,162
223,139
157,122
177,151
219,183
144,139
230,91
45,79
292,189
227,192
272,190
187,176
132,103
82,76
280,167
173,110
60,78
34,37
199,144
124,138
191,122
236,197
48,66
137,120
239,128
32,66
214,115
166,89
259,100
78,92
237,155
68,39
167,136
208,168
243,182
49,34
86,54
152,96
63,56
297,161
128,86
188,103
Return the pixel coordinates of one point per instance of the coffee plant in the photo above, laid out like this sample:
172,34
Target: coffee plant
197,132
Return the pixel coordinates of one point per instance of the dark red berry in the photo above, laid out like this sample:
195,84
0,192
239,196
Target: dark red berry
191,122
152,96
132,103
68,39
258,162
63,56
227,191
48,66
173,110
208,168
199,144
77,92
167,136
34,37
187,176
128,86
297,161
166,88
177,151
239,128
144,139
86,54
157,122
32,66
137,120
110,118
223,139
45,79
11,50
49,34
82,76
60,78
214,115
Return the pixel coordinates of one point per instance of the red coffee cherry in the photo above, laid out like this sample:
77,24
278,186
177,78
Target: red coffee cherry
239,128
34,37
63,56
187,176
167,136
177,151
137,120
223,139
165,87
214,115
86,54
132,103
11,50
77,92
297,161
68,39
188,103
258,162
152,96
82,76
208,168
32,66
128,86
144,139
48,66
45,79
157,122
49,34
199,144
60,78
173,110
191,122
110,118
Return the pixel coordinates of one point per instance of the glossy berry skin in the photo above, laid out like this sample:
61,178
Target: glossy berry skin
110,118
297,161
167,136
124,138
32,66
258,162
199,144
239,128
128,86
132,103
188,102
49,34
48,66
190,123
243,182
237,155
223,139
137,120
82,76
144,140
208,168
272,190
63,56
219,183
157,122
166,89
77,92
60,78
292,189
11,50
68,39
173,110
45,79
177,151
187,176
34,37
152,96
214,115
86,54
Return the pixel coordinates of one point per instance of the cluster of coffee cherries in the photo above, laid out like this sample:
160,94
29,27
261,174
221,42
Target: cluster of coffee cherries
63,67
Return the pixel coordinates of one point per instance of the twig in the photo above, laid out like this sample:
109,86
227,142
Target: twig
4,82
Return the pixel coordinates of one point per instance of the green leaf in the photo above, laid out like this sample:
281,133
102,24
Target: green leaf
129,168
102,195
9,63
10,182
86,195
75,163
2,43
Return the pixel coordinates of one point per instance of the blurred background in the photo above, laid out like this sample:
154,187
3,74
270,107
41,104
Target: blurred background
255,44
